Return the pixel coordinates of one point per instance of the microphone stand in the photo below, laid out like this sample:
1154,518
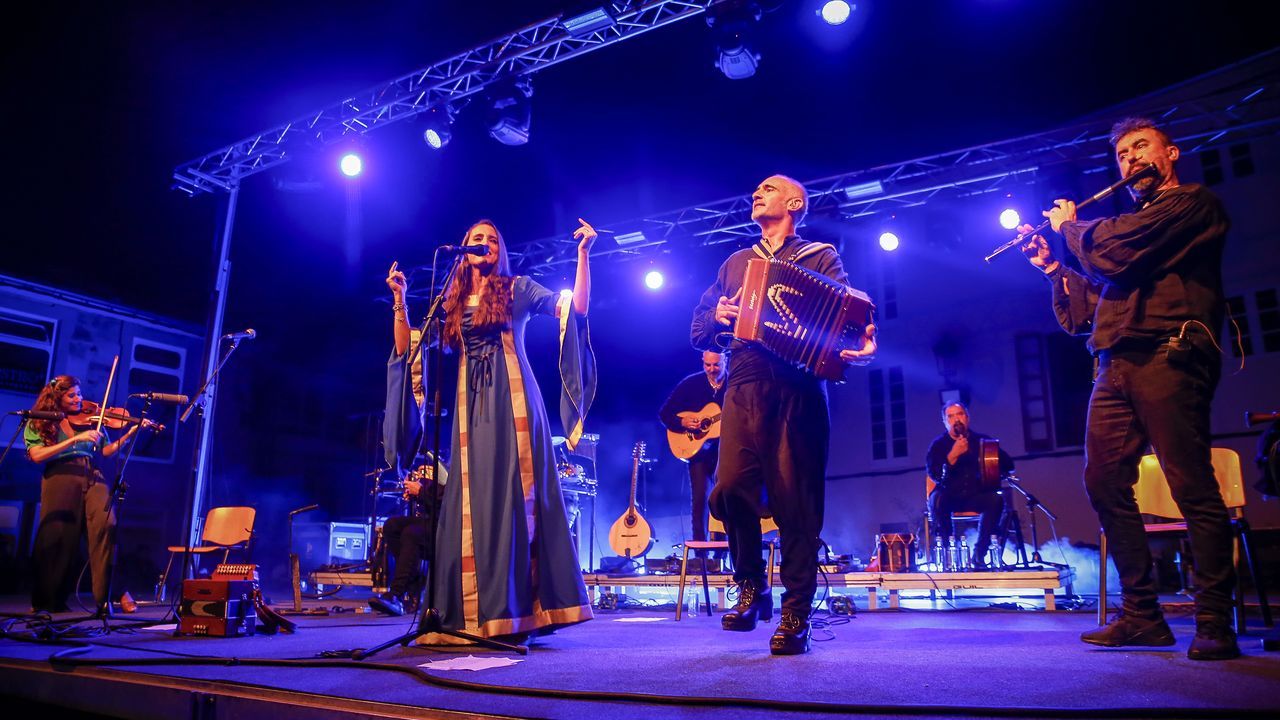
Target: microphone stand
197,406
21,424
430,621
1032,504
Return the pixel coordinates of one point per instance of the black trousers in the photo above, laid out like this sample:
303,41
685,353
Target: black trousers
405,538
773,460
73,499
943,501
1138,398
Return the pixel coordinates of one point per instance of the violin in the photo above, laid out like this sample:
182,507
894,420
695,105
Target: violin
114,418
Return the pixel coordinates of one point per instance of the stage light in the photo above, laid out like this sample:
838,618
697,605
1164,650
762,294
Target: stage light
566,293
631,238
439,127
888,241
509,113
836,12
351,165
653,280
862,190
1009,219
730,27
588,22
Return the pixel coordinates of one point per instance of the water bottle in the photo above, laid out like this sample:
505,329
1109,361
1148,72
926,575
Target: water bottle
939,555
953,554
964,555
994,551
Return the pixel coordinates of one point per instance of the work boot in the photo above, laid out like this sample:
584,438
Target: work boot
755,603
387,603
1215,640
792,635
1131,630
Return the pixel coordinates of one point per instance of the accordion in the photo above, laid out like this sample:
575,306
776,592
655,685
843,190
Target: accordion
800,316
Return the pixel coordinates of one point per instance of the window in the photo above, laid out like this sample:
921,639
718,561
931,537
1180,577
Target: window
1033,391
26,351
1268,319
156,367
888,413
1211,166
1241,160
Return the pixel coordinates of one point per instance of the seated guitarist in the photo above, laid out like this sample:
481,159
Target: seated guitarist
953,463
698,396
407,539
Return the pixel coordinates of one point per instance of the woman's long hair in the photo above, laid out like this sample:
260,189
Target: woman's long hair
50,398
494,312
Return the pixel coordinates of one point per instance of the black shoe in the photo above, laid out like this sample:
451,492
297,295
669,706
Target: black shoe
791,637
1215,640
104,611
755,603
387,604
1131,630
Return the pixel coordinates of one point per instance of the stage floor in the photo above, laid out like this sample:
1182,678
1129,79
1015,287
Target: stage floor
940,659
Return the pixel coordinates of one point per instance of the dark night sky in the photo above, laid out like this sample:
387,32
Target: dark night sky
102,101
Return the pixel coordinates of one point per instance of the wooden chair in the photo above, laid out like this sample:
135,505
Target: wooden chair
767,525
1152,493
225,529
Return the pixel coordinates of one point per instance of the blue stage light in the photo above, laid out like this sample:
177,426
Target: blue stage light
653,280
888,241
351,164
835,12
1009,219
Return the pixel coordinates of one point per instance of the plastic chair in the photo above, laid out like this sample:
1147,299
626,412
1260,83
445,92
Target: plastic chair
767,525
1154,498
225,529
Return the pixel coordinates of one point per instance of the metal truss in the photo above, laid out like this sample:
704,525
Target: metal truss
452,80
1225,107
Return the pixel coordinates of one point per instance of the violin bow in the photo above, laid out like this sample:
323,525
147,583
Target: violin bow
111,379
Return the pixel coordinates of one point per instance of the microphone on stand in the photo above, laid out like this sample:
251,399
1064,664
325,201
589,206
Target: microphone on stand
463,249
244,335
169,398
300,510
54,415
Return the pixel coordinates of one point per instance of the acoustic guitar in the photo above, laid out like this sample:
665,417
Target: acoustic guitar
631,535
686,443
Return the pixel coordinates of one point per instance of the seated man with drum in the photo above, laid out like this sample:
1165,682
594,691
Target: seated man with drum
955,463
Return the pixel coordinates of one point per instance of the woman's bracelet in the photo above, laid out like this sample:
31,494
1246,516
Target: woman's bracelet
398,307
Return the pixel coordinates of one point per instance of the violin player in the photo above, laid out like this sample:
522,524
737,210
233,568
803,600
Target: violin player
73,496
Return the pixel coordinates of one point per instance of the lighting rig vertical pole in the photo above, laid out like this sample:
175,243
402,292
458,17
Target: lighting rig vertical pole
213,341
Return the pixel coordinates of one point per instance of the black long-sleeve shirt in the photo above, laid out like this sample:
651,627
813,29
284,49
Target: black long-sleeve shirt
751,362
1144,274
963,478
690,395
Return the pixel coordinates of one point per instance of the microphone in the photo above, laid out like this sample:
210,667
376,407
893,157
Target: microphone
300,510
54,415
246,335
463,249
169,398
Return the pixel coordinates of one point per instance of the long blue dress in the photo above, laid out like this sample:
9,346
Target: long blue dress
505,559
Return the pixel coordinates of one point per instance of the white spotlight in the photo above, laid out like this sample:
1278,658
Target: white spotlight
1009,219
888,241
836,12
653,280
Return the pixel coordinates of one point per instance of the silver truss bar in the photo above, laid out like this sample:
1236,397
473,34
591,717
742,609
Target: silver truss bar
1234,105
454,79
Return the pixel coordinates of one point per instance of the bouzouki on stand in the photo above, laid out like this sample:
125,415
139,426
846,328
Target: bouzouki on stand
686,443
631,536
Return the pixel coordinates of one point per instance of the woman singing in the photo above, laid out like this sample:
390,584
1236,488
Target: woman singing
73,497
506,564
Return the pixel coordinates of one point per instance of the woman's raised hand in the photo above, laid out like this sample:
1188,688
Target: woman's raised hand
397,282
586,235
